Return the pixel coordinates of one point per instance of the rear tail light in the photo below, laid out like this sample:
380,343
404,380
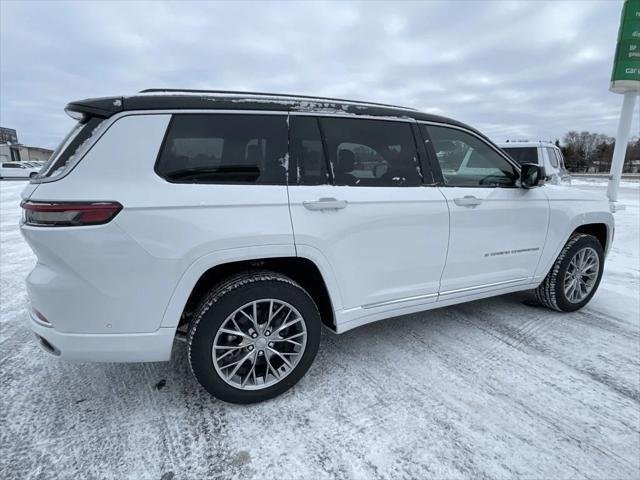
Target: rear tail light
69,214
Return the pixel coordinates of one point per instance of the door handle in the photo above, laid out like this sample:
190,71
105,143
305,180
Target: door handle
325,204
467,201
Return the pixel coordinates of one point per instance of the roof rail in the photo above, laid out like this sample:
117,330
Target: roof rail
263,94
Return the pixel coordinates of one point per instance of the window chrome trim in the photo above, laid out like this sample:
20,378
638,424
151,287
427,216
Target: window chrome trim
486,285
447,292
399,300
479,137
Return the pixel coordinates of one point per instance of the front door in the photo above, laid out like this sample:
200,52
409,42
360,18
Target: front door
498,229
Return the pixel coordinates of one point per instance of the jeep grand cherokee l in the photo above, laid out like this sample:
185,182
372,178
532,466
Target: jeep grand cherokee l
243,222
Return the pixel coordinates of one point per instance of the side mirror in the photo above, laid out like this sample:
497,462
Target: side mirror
532,175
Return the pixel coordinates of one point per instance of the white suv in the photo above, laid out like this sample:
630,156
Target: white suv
18,170
545,154
243,222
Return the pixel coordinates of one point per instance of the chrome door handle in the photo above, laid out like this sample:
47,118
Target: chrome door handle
467,201
325,204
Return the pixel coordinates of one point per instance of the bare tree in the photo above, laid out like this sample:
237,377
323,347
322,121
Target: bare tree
586,149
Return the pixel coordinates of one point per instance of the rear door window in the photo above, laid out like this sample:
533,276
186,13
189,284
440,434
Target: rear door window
225,148
371,152
307,162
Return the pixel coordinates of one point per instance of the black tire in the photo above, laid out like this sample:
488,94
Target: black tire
32,174
550,292
224,299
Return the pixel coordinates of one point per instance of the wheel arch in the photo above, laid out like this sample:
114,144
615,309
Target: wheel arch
203,274
597,223
598,230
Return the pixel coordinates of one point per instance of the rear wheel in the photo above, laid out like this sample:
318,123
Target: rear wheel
253,337
575,275
33,174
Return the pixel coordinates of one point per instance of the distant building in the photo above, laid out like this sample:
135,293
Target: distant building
13,151
8,135
38,154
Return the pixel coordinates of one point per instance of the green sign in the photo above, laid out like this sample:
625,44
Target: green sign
626,64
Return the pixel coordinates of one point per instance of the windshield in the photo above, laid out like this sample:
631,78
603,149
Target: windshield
523,155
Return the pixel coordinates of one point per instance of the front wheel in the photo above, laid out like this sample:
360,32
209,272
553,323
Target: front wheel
253,337
574,276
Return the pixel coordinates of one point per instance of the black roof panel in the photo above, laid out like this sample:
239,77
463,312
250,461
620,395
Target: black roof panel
172,99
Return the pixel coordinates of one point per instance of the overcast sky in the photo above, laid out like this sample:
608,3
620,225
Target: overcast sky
520,70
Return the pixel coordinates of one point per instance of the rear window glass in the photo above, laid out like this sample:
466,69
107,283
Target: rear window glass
523,154
371,152
72,147
225,148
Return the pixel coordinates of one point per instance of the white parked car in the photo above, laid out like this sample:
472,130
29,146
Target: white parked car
18,170
545,154
243,222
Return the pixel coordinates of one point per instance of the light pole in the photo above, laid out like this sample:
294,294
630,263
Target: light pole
625,79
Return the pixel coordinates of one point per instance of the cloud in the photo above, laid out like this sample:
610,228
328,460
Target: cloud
512,69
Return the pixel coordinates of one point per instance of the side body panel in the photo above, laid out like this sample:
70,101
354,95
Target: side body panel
387,246
568,209
122,275
496,242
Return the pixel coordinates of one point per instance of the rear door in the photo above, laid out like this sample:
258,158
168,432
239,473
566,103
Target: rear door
360,208
497,228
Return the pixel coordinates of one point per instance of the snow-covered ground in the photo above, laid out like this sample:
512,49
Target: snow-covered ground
493,388
599,183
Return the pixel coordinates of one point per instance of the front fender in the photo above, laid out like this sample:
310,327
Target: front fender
566,215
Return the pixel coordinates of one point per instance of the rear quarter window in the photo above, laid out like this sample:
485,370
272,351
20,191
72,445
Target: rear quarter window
225,148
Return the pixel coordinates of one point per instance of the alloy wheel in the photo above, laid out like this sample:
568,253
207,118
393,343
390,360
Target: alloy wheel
581,275
259,344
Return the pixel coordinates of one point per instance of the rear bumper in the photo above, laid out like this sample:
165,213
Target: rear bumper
86,347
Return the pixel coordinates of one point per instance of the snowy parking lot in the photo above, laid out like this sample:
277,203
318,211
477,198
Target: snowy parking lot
493,388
